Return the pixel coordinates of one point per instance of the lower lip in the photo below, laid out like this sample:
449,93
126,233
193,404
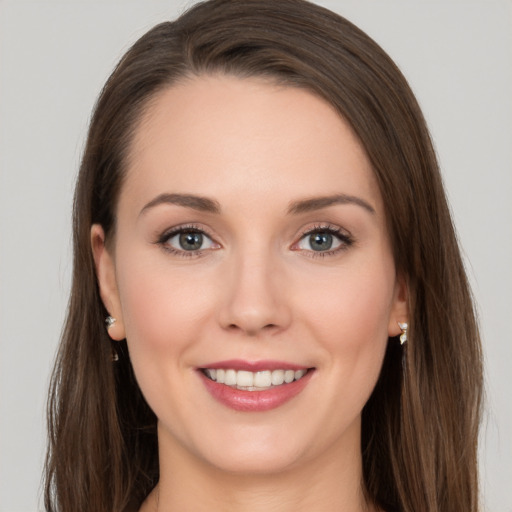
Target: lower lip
255,401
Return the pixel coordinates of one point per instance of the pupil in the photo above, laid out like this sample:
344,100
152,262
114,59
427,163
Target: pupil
191,241
320,241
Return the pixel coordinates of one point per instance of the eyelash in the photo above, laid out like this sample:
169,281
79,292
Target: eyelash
164,238
345,239
343,236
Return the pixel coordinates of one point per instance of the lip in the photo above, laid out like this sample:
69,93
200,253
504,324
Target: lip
254,366
255,401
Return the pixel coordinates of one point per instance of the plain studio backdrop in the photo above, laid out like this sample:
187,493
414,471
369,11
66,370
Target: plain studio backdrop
54,58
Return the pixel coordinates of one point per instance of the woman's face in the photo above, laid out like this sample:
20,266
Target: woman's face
251,248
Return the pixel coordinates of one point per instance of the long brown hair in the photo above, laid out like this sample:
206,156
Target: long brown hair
419,438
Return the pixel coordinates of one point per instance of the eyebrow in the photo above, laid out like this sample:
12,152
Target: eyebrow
202,204
317,203
205,204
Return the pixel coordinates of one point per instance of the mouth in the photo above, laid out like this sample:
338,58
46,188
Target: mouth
254,387
245,380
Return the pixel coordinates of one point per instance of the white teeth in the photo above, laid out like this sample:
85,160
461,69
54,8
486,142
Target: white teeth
220,376
299,374
262,379
244,379
230,378
289,375
277,377
253,381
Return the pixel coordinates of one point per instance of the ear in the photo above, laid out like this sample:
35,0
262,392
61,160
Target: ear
400,307
107,282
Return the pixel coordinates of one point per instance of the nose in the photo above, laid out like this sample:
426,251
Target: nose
255,297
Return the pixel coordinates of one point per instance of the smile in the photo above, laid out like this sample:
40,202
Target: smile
254,386
253,381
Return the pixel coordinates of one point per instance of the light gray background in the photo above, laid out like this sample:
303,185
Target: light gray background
55,56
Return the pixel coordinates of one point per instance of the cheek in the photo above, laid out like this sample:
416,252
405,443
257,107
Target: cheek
349,319
351,324
352,308
162,310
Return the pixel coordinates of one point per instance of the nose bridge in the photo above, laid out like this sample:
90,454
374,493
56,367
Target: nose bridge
255,295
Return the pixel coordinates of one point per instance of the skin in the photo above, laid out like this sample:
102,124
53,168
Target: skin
257,291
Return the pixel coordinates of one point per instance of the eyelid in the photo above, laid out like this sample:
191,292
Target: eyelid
344,237
170,233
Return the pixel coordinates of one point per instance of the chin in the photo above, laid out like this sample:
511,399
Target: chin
264,462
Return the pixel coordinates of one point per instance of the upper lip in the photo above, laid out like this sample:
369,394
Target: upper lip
254,366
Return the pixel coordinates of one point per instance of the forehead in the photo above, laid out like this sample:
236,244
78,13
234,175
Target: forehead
219,135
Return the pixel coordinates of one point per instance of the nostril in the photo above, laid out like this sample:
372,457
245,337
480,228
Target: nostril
251,330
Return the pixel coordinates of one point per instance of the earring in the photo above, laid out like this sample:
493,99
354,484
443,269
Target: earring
403,336
110,321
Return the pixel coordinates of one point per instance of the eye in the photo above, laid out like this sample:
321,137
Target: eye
327,240
319,241
187,240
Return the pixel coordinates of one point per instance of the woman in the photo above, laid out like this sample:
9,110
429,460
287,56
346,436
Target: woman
260,218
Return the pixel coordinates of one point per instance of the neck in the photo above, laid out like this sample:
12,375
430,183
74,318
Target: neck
332,482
